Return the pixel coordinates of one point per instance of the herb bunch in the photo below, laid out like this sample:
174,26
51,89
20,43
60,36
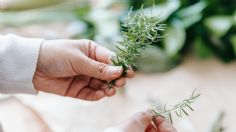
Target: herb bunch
179,109
140,31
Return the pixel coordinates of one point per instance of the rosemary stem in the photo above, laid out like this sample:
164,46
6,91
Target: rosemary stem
179,109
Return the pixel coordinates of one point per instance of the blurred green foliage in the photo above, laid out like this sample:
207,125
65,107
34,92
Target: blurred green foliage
204,27
20,13
18,5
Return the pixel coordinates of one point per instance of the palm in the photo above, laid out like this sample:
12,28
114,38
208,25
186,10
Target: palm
81,86
76,69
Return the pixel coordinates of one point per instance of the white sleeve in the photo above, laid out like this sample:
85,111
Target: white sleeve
18,61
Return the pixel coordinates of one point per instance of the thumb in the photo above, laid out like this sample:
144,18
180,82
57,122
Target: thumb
101,70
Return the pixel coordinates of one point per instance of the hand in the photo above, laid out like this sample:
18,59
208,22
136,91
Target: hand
77,68
142,122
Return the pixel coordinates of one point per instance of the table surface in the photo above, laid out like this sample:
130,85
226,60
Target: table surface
213,79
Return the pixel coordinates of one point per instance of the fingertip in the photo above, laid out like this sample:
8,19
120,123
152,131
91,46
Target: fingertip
99,94
104,55
115,72
120,82
110,92
130,72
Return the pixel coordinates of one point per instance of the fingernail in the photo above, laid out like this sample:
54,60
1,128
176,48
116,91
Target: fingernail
115,70
111,92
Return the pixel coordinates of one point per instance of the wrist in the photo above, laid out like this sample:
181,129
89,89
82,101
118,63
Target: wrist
38,70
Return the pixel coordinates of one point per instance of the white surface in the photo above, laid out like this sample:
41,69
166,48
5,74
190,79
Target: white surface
213,79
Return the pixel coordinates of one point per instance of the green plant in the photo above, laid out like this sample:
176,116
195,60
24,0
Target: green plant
179,109
203,27
140,31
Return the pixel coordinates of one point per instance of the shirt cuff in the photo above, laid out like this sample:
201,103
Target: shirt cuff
18,62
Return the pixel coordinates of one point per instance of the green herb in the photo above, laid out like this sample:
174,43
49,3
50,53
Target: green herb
140,32
218,123
179,109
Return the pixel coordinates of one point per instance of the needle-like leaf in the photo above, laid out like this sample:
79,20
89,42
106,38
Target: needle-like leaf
140,31
179,109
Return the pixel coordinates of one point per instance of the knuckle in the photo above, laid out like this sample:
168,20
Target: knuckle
102,68
88,42
90,47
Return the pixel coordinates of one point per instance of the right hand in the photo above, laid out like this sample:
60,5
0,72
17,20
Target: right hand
142,122
77,68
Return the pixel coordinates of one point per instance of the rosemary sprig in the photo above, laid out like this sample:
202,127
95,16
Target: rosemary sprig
218,123
179,109
140,32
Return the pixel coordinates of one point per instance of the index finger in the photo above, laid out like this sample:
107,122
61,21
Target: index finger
100,53
104,55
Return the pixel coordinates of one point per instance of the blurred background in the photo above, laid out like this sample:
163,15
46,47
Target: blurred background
198,51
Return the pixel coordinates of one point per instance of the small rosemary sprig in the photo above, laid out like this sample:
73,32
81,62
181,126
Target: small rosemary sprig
140,31
179,109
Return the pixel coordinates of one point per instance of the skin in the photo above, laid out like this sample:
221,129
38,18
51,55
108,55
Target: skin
78,69
146,122
81,69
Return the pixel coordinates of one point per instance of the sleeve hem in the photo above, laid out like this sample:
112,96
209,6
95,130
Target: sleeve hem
18,62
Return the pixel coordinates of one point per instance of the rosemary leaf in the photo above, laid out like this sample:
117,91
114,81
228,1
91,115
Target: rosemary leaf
140,31
180,108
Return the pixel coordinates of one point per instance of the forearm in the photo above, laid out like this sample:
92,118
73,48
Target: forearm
18,61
